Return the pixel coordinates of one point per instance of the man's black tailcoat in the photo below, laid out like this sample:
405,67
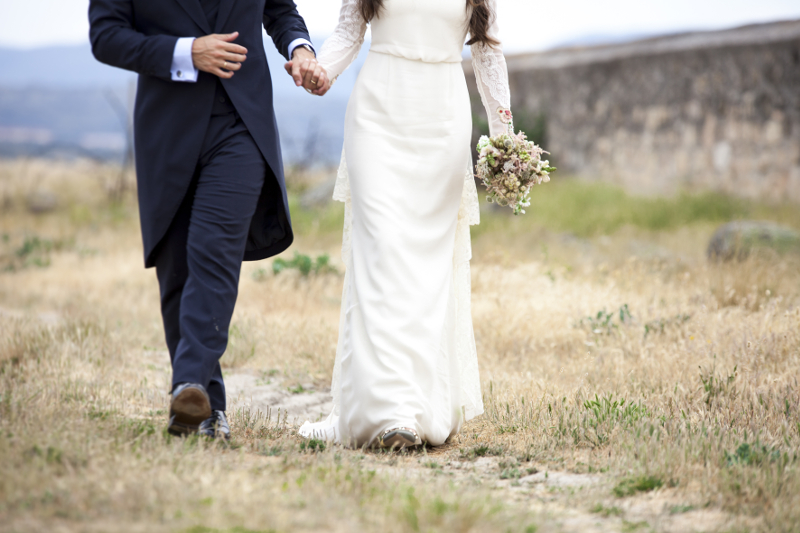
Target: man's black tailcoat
171,118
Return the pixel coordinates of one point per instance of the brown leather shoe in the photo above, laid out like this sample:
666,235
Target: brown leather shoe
189,408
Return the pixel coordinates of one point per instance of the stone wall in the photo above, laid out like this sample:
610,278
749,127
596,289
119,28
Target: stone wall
712,110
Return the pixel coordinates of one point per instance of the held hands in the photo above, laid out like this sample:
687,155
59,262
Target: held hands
218,55
307,72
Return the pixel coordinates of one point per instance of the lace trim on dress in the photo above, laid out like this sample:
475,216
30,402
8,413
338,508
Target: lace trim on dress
470,209
466,352
341,193
341,48
491,73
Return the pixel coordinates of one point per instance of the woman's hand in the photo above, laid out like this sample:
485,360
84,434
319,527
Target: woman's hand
218,54
307,72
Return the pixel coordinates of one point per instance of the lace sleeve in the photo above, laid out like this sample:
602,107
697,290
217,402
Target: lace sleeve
491,75
342,48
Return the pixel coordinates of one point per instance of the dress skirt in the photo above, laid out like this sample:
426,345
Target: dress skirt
406,354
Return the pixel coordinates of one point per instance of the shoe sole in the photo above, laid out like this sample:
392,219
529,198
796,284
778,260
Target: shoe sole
398,440
188,410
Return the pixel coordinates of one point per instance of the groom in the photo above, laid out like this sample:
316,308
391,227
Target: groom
208,163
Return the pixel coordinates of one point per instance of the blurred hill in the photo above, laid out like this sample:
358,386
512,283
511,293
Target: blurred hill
65,67
59,101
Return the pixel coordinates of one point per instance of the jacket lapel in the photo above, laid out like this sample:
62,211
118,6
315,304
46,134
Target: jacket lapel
195,11
225,7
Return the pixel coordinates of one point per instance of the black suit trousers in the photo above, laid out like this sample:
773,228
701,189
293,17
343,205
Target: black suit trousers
199,260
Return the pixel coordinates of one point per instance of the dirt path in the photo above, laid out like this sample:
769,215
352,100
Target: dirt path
270,393
559,497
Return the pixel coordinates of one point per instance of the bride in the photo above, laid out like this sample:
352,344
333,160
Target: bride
406,368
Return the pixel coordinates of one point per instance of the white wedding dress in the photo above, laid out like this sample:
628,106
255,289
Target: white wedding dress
406,355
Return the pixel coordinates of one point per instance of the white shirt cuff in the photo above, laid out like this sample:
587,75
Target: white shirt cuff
182,64
299,42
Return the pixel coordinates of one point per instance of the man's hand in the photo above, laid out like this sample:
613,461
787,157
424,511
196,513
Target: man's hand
218,55
307,72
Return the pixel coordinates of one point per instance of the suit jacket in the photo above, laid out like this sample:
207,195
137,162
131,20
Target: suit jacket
171,118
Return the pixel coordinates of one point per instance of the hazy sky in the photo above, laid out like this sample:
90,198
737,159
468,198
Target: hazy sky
525,24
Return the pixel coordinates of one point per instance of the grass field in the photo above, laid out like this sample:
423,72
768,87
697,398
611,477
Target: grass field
629,384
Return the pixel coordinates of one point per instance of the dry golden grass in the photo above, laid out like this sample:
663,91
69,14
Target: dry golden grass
706,358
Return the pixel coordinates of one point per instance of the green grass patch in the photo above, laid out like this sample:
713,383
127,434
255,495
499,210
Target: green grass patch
757,454
584,209
309,222
510,473
588,209
659,326
607,323
313,445
481,450
298,389
33,251
605,413
269,450
606,511
302,263
633,485
629,527
606,408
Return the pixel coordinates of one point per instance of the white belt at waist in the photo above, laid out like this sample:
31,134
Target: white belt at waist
414,55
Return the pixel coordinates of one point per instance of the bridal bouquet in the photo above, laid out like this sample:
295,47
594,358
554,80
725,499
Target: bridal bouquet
510,165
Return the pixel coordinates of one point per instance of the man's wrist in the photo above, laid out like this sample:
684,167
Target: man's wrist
297,44
303,49
183,68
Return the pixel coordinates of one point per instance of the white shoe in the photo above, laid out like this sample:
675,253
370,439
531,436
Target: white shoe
324,431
